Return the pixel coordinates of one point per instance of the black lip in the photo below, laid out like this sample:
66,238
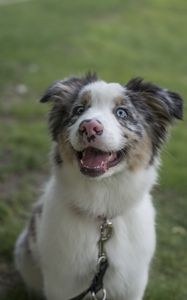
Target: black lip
91,172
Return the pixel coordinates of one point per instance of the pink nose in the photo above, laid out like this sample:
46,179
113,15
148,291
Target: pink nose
91,128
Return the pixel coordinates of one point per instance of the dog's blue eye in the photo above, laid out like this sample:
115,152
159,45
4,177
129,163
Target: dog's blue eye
121,113
78,110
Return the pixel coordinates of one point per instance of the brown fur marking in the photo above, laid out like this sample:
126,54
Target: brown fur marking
37,211
139,154
119,101
86,98
65,148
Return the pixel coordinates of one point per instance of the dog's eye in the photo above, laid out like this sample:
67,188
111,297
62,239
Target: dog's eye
78,110
121,113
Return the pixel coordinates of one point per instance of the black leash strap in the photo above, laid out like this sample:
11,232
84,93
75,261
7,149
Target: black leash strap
97,282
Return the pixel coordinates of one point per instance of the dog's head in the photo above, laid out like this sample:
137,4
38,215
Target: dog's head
105,128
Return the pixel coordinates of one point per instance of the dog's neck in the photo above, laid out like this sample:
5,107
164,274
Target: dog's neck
80,213
107,197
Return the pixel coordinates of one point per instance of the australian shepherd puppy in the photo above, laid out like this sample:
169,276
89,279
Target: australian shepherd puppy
107,140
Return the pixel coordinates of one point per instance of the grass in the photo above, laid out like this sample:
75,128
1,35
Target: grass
42,41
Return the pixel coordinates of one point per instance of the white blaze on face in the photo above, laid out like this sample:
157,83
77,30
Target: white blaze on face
103,97
103,92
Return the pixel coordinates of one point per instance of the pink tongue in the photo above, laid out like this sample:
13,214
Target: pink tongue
94,159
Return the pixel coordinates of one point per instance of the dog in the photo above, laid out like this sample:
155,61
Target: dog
107,139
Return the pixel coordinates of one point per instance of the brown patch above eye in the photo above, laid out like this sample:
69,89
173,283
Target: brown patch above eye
119,101
86,98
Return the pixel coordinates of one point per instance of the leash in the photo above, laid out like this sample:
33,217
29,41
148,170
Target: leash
102,264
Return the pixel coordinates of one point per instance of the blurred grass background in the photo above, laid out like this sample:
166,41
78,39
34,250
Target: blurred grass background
43,40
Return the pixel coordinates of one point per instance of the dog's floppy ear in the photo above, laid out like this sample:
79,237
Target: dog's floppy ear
164,104
62,89
66,89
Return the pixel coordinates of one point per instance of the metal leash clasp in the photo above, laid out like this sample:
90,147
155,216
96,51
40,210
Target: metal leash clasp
106,230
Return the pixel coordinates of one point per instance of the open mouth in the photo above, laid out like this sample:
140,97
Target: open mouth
94,162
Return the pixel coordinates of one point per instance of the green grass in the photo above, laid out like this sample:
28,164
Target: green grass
42,41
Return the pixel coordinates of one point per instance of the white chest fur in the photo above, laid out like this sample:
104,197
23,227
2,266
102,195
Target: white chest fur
68,243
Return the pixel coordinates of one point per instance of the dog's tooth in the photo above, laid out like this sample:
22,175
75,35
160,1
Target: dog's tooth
103,164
